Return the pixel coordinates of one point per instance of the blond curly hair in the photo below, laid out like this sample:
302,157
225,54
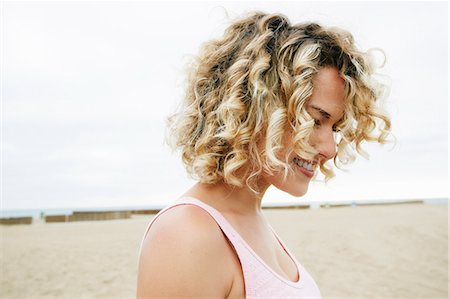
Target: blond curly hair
253,83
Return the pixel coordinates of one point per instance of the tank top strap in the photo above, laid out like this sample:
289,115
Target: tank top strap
223,223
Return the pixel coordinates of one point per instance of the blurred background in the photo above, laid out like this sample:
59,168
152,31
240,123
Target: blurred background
86,87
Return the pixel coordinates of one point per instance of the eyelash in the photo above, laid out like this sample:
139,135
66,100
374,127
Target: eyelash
317,124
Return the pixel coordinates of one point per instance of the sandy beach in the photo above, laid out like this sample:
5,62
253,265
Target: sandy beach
379,251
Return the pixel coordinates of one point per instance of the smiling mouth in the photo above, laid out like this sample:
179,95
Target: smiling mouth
306,167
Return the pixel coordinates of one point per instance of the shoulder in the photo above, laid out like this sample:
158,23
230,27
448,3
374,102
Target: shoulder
186,225
184,253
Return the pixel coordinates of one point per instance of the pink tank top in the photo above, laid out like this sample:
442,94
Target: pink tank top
260,280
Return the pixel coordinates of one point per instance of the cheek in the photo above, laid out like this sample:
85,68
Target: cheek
320,135
295,185
313,137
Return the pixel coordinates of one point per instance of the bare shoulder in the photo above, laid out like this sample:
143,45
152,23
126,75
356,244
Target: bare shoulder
184,254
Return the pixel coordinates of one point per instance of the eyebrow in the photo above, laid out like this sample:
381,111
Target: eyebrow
322,112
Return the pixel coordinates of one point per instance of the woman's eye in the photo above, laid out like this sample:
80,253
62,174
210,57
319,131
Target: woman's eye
317,124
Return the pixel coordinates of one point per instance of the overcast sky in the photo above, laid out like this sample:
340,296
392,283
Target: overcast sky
87,86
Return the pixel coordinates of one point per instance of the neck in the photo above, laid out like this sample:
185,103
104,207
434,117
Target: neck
238,200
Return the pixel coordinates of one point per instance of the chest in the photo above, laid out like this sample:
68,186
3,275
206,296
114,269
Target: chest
263,242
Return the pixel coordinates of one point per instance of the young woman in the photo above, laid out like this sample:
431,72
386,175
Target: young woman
267,104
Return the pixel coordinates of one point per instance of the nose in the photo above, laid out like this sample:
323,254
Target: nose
325,144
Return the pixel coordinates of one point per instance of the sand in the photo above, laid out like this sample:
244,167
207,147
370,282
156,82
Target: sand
385,251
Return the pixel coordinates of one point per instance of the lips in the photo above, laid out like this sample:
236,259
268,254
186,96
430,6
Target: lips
306,167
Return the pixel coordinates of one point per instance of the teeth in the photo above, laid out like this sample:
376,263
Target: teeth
304,164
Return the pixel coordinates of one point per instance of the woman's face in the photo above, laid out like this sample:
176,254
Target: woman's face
326,106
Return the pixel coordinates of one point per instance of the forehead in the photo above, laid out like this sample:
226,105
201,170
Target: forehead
328,92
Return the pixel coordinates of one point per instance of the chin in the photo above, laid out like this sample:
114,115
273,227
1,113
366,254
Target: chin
298,192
